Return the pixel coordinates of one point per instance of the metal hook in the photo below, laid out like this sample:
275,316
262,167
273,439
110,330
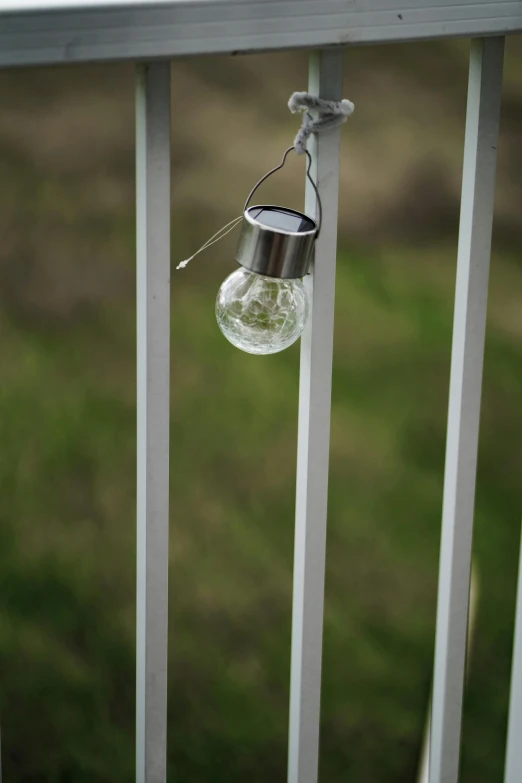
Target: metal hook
272,171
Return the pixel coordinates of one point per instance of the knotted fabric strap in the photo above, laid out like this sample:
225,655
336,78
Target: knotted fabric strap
330,114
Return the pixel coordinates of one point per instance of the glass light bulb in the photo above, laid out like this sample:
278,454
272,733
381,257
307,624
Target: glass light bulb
261,314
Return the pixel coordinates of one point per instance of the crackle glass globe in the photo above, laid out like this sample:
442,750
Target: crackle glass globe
261,314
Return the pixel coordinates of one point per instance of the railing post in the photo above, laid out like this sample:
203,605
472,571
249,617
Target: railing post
153,333
314,443
513,773
424,772
469,328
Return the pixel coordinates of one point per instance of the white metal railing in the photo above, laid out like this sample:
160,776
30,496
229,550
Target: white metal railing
514,745
313,448
37,32
467,357
153,401
424,771
66,31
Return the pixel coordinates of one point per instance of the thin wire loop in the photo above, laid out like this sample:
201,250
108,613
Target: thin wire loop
233,223
272,171
223,231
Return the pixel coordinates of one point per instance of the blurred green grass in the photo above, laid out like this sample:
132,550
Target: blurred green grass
67,553
67,480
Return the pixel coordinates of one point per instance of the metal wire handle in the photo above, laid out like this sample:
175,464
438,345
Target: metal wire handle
272,171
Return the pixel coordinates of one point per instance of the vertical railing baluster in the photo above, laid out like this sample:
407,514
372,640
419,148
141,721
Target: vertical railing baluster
469,327
313,443
153,333
513,773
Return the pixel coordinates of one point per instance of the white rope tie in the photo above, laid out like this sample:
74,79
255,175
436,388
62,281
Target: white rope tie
331,114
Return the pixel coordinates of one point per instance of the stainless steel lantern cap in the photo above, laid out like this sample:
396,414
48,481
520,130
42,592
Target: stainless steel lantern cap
277,241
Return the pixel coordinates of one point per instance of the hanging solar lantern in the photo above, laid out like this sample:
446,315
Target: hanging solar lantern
263,306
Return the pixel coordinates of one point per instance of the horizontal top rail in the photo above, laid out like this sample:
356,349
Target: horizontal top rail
46,32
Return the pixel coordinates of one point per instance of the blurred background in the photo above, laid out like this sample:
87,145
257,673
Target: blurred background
68,410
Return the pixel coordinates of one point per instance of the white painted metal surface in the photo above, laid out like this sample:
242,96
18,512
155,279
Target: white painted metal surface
314,442
44,32
424,772
153,336
478,188
513,772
